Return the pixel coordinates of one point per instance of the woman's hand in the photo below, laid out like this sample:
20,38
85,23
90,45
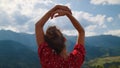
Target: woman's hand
58,9
60,12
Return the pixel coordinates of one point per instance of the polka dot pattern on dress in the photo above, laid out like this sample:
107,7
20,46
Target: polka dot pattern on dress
49,59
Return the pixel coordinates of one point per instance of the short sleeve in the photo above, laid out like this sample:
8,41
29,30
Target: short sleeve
77,56
79,49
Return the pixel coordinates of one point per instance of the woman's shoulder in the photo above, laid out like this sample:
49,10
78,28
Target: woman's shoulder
43,46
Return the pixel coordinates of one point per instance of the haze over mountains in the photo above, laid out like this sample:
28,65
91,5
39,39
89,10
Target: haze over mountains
20,49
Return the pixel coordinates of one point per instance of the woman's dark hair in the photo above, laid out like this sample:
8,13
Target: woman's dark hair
55,39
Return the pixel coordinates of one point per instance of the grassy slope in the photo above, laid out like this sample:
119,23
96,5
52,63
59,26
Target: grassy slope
101,61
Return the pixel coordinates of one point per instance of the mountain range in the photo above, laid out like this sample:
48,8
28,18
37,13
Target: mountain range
19,50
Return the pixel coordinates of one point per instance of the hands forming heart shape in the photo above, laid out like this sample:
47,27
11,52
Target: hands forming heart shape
59,10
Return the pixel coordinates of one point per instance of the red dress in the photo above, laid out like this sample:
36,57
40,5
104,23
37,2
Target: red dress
49,59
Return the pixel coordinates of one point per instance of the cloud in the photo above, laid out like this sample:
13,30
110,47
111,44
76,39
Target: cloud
9,28
91,27
5,19
109,19
26,8
89,20
104,2
93,22
90,33
20,19
70,32
113,32
100,19
94,19
8,22
68,5
20,16
75,33
119,16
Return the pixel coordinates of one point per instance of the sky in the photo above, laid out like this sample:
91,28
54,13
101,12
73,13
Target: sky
98,17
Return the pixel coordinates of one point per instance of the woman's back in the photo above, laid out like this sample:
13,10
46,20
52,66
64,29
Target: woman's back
50,59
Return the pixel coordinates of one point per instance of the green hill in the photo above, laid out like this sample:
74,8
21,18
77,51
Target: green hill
16,55
105,62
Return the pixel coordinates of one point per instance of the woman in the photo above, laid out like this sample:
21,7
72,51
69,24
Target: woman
51,46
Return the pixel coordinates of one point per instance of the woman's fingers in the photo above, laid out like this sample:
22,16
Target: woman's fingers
61,7
66,9
52,14
58,9
58,13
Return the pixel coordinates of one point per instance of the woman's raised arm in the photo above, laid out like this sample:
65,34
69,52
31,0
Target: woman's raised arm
76,24
39,25
39,28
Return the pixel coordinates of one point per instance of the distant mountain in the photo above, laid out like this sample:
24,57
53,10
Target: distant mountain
104,41
96,46
99,46
26,39
16,55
